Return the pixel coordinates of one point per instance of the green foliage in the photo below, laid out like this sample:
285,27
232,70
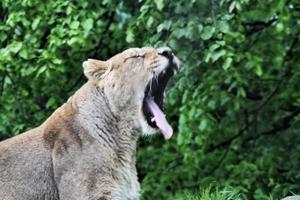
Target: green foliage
234,106
210,194
42,48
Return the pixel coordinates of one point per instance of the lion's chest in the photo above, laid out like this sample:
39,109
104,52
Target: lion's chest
127,186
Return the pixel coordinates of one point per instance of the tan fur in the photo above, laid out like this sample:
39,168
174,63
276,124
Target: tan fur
86,148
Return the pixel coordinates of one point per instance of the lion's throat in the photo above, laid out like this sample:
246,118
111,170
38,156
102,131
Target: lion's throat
160,119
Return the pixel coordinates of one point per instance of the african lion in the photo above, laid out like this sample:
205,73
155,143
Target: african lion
86,148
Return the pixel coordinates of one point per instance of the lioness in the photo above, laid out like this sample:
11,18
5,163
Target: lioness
86,148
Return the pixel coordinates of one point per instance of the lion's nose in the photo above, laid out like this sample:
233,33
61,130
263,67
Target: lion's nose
165,51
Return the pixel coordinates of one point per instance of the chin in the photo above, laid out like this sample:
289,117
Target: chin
146,129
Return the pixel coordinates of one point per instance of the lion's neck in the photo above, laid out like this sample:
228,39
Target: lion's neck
113,130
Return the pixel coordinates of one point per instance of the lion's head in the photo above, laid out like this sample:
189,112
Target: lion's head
134,82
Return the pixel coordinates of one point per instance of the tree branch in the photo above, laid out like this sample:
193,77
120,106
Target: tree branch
2,85
280,125
241,131
257,26
219,163
249,94
4,14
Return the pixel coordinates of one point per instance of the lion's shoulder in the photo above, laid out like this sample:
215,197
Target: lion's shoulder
60,130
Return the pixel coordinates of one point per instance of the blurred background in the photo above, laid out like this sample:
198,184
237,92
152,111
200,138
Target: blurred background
234,106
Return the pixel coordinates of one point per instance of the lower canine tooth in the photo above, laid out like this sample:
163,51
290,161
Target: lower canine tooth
152,120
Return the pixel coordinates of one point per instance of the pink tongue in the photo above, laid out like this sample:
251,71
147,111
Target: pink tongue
160,119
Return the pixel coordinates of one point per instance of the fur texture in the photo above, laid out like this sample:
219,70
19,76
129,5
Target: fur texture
86,148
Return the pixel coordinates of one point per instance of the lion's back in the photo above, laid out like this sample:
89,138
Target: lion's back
25,168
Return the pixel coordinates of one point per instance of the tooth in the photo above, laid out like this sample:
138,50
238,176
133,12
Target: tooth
164,72
175,71
152,120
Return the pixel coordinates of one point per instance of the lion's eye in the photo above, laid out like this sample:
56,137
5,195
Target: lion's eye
138,56
133,57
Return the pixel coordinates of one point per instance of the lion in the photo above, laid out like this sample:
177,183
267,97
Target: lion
87,148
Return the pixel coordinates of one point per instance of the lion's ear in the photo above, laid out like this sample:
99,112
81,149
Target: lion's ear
94,69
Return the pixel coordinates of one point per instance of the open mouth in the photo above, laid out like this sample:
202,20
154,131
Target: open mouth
154,99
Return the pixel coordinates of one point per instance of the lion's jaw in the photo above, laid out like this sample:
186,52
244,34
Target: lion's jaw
134,81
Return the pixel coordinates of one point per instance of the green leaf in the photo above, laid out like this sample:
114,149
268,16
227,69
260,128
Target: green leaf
72,41
214,47
218,54
51,102
41,70
159,4
69,10
200,28
199,140
223,26
35,23
180,139
57,61
74,25
232,6
207,32
203,124
241,92
15,47
166,25
24,53
258,70
129,36
227,63
150,21
88,24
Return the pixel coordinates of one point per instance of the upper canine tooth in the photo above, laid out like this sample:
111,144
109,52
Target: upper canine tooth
175,71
